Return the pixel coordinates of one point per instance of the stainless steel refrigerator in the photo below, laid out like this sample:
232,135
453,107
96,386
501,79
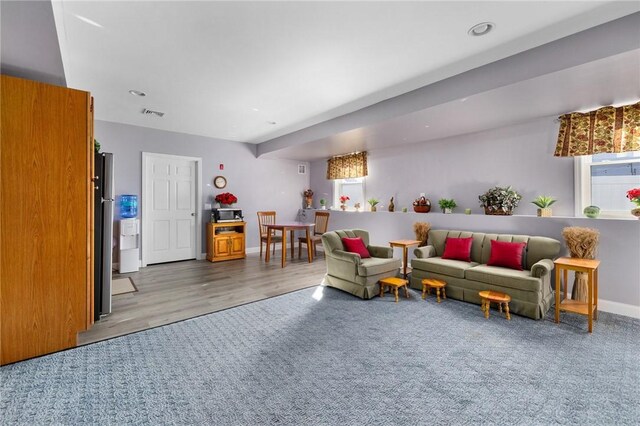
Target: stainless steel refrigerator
103,234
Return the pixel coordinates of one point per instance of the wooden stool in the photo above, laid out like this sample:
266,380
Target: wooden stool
429,283
394,284
497,297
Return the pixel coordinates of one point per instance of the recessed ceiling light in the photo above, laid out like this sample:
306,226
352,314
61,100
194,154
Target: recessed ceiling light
481,29
463,100
255,109
271,122
137,93
426,125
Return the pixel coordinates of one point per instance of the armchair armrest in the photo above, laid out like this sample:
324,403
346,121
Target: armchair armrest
347,256
379,251
424,252
542,268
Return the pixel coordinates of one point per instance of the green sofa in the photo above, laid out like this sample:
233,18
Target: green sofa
349,272
530,289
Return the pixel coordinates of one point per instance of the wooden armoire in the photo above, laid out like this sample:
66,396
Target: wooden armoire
46,217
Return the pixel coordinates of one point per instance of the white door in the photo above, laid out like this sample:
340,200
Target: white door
170,189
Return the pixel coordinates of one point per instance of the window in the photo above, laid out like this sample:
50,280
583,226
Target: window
352,188
603,180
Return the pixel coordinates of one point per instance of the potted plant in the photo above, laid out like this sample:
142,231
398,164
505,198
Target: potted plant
373,202
343,200
308,196
500,201
226,199
323,204
544,202
447,205
634,196
422,205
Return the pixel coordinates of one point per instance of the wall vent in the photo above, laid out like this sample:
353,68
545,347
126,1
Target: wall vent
151,112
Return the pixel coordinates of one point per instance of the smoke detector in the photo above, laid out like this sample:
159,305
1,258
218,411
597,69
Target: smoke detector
146,111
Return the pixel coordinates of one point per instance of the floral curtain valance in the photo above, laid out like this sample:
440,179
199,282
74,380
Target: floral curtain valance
605,130
347,166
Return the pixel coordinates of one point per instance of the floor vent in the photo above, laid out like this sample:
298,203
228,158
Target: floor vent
151,112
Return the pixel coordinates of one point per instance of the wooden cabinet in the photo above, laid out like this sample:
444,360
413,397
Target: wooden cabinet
46,223
225,241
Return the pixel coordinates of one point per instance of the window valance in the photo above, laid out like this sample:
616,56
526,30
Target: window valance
605,130
347,166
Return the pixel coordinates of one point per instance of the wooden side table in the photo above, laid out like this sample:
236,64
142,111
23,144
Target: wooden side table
393,284
404,244
590,309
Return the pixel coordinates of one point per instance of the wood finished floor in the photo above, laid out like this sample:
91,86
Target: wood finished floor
176,291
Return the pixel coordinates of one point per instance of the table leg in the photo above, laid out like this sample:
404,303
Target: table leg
590,299
309,248
444,293
487,306
406,291
557,294
267,257
506,310
293,238
395,293
284,247
424,291
565,273
438,294
381,290
405,251
595,295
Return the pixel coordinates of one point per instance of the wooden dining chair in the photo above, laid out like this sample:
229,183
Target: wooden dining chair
264,219
322,222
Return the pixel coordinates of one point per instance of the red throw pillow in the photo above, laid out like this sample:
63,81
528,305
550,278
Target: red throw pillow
355,245
458,249
507,255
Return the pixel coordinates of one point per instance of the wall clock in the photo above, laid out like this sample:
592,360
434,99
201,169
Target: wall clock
220,182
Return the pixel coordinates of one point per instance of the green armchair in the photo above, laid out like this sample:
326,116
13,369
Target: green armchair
349,272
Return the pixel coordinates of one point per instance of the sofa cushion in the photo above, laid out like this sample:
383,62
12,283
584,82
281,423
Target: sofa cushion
507,255
458,249
438,265
355,245
509,278
376,265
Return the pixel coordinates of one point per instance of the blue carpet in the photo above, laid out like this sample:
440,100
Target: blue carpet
339,360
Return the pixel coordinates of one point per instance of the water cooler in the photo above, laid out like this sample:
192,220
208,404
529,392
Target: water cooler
129,234
129,245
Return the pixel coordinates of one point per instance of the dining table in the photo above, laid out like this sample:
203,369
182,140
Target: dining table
291,227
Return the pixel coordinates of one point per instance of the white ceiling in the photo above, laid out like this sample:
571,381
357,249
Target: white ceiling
611,81
227,69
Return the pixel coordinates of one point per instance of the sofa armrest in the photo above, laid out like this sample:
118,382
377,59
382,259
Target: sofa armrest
345,255
424,252
542,268
379,251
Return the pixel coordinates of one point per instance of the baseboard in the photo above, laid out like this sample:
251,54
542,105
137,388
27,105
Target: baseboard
632,311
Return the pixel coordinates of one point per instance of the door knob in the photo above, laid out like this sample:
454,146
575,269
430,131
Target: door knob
193,214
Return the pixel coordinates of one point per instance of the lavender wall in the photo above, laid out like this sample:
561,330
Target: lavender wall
464,167
259,184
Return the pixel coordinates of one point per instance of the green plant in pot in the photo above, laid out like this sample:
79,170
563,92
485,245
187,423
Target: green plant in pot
544,202
323,204
500,201
447,205
373,202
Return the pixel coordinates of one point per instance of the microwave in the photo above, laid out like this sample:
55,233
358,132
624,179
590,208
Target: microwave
226,215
